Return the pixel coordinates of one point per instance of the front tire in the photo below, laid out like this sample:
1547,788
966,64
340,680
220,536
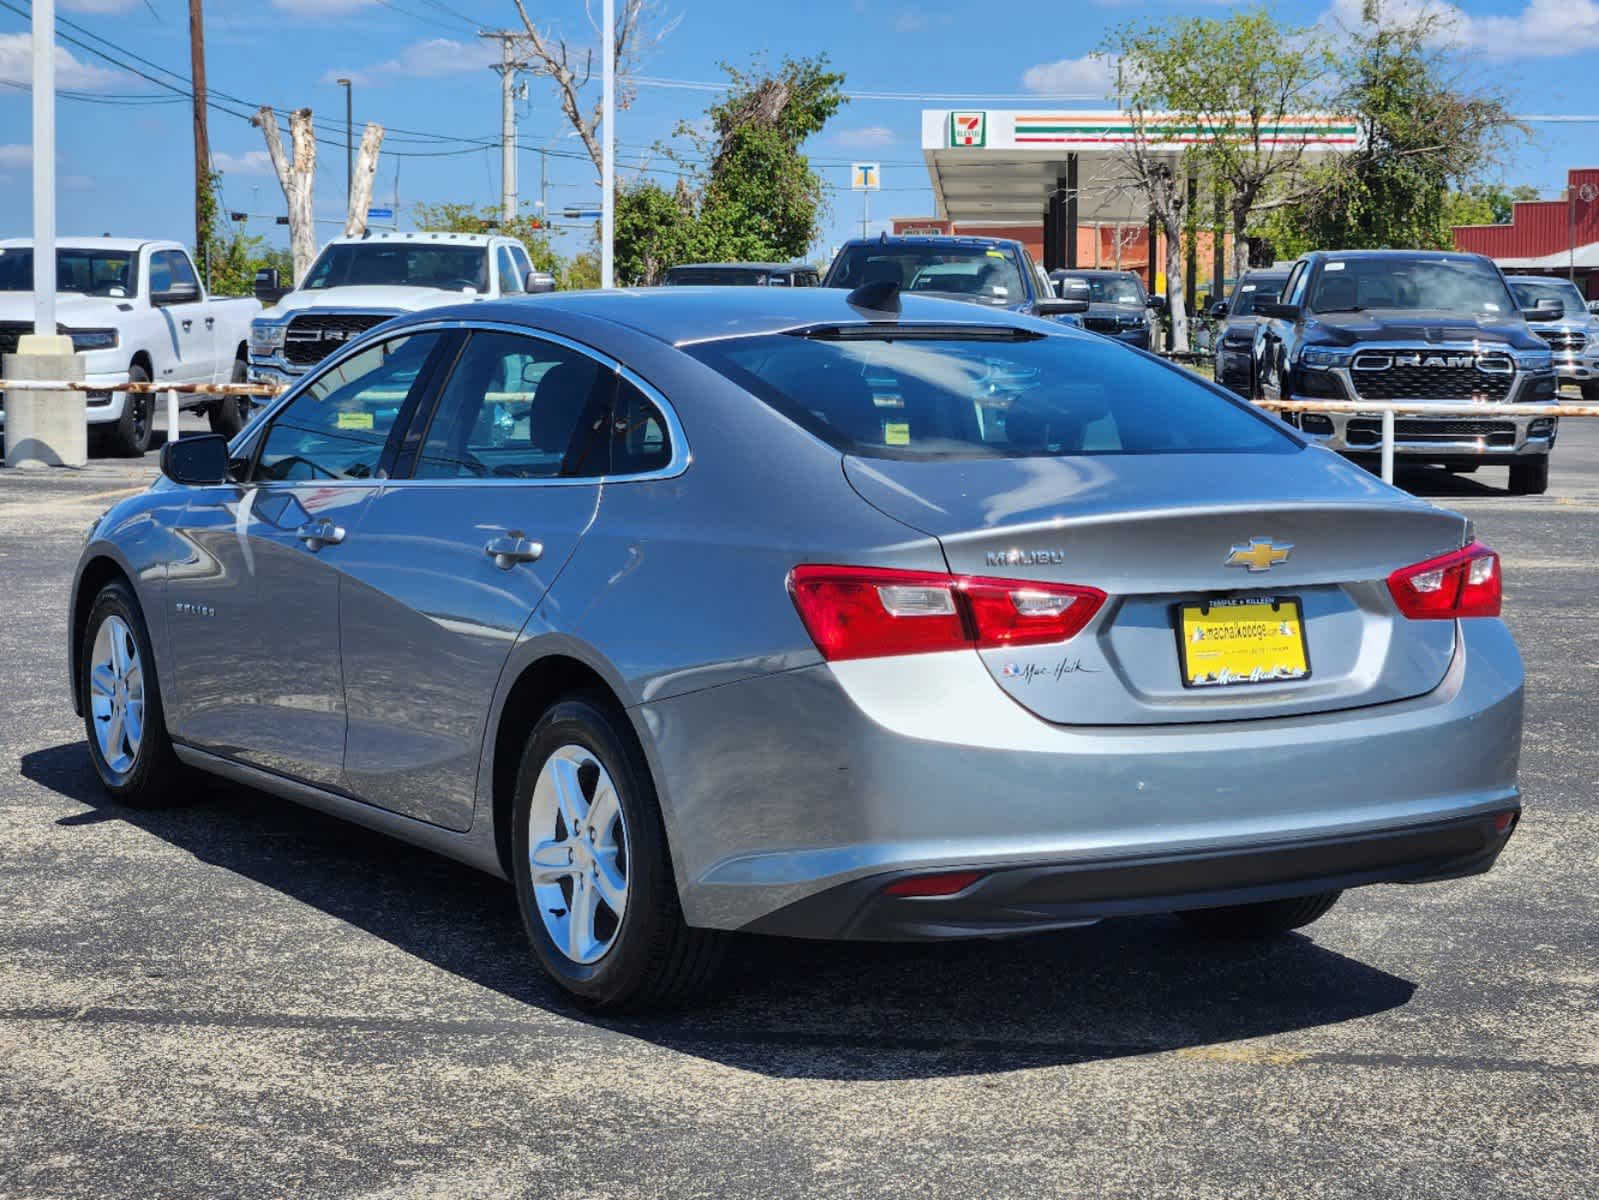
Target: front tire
1590,392
121,698
130,437
593,874
1530,478
231,413
1270,918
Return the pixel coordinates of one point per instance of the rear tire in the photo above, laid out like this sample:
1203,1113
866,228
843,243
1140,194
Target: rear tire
1241,922
121,698
1590,393
232,413
580,753
130,436
1530,478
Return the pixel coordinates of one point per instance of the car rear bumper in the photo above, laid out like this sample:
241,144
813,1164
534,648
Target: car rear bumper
804,782
1027,899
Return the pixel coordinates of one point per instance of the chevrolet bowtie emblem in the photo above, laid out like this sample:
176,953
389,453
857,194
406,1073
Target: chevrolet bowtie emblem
1261,554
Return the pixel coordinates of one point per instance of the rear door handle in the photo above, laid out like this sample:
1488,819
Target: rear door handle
210,322
316,534
513,548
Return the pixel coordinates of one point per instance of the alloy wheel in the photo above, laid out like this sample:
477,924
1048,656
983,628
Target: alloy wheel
578,854
116,694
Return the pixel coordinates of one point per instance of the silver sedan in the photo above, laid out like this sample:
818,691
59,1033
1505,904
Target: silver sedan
808,613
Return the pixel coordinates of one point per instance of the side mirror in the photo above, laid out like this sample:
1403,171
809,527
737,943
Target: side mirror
1543,312
1059,308
268,287
1157,303
1277,310
1218,310
538,282
177,293
199,460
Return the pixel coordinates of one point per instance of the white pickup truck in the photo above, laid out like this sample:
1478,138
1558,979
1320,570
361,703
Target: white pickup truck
137,312
357,283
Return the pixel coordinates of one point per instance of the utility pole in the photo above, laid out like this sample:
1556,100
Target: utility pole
203,203
608,151
507,68
349,138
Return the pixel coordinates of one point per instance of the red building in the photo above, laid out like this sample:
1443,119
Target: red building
1547,237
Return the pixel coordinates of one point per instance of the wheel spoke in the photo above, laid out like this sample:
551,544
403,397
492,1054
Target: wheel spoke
580,920
133,724
103,679
568,792
608,880
551,861
603,811
135,680
115,731
119,662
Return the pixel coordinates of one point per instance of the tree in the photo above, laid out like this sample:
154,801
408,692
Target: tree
452,217
749,193
1236,81
572,75
1424,131
296,177
233,260
1485,204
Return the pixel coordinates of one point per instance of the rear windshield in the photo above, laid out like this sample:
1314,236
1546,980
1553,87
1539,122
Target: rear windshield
978,273
714,277
955,396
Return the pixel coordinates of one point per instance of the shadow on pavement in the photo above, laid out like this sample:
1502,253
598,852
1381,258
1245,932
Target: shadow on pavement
787,1008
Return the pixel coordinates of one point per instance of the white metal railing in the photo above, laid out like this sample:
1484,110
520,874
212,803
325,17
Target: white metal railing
1389,409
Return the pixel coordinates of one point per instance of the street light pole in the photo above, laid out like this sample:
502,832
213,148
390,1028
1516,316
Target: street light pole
349,138
608,156
44,168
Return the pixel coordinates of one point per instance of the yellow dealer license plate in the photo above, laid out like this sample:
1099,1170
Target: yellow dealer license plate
1256,639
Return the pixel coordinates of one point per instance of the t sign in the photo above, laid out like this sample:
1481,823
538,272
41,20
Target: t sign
865,177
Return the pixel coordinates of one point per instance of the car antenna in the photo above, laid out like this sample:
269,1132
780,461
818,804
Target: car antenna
879,297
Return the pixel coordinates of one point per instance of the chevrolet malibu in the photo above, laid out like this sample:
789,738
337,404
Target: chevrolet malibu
809,613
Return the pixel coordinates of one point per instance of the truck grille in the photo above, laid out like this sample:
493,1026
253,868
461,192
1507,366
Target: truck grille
1401,380
312,337
1101,324
1367,431
10,333
1563,339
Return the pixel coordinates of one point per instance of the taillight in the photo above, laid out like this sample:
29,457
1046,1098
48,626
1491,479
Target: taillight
874,612
1464,583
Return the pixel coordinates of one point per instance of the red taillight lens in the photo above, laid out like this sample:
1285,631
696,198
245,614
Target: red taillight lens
1464,583
946,884
874,612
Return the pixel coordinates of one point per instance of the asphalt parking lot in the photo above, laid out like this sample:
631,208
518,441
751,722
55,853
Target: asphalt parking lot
235,997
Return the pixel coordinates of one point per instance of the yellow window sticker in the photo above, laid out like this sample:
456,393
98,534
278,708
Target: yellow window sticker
355,420
995,253
896,433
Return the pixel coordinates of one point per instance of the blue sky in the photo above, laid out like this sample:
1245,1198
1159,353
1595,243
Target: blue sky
125,153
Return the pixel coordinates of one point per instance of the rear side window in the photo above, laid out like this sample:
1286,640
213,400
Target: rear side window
954,396
640,440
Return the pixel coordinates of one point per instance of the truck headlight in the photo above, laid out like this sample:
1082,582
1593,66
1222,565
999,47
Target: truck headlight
1319,358
1535,360
92,339
265,337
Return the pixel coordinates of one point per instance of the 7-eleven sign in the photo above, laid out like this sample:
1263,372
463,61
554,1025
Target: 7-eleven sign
968,128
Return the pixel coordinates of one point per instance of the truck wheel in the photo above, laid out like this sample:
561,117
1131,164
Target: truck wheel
231,413
1590,392
1267,919
591,869
131,435
1530,478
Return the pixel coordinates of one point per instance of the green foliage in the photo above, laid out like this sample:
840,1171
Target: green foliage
583,271
228,263
451,217
758,200
1425,133
1485,203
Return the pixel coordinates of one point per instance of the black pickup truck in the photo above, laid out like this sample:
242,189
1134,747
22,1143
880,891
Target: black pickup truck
1410,325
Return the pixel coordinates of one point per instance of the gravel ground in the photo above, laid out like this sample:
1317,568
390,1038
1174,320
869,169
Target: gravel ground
232,996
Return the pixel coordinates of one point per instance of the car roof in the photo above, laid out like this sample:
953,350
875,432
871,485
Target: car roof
1539,279
1431,255
1075,272
91,243
457,239
932,240
742,266
681,315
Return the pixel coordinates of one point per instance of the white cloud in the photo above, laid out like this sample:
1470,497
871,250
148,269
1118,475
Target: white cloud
1542,29
251,162
16,65
15,156
869,135
97,6
323,8
424,60
909,20
1089,75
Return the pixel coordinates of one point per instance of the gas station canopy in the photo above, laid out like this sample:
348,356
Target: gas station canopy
1005,167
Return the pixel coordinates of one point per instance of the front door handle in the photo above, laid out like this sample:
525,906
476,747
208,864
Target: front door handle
210,322
513,548
188,324
316,534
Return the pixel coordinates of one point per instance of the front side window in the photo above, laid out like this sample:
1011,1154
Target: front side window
337,426
169,268
518,408
510,277
987,393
